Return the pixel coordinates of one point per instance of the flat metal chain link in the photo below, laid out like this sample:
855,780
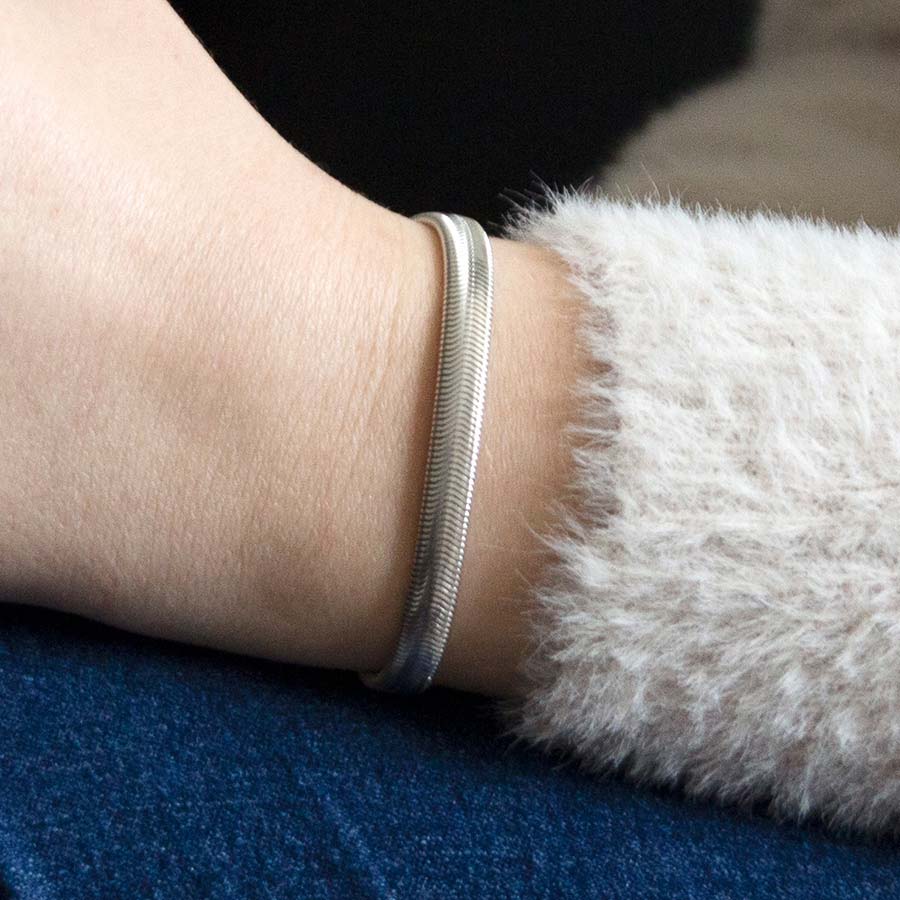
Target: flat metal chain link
452,456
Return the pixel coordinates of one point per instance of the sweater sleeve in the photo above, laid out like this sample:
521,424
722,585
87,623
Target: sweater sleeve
724,610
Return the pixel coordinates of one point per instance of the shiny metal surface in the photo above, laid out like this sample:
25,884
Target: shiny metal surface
452,456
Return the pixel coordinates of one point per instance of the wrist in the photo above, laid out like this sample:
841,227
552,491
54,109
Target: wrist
220,369
368,517
341,359
336,541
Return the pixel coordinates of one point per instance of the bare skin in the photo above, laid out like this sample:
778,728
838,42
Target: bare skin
218,367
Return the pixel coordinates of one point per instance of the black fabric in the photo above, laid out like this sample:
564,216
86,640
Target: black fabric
459,105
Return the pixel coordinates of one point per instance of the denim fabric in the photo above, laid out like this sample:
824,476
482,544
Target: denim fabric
131,768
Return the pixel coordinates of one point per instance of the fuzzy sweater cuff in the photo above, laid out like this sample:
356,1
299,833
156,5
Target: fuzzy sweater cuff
725,611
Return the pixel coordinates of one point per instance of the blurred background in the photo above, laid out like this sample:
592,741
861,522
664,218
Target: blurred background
463,105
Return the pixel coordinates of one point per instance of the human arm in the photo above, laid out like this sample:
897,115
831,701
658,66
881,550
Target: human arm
218,399
219,364
731,628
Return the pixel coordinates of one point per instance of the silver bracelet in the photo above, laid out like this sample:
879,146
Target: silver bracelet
452,456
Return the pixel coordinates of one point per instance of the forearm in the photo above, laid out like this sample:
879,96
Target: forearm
338,521
222,365
232,464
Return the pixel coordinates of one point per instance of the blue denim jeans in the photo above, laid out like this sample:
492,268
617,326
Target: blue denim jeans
132,768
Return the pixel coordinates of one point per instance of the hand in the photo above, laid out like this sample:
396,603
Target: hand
219,367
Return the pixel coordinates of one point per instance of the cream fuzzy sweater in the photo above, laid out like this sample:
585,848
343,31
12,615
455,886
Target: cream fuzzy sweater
725,611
